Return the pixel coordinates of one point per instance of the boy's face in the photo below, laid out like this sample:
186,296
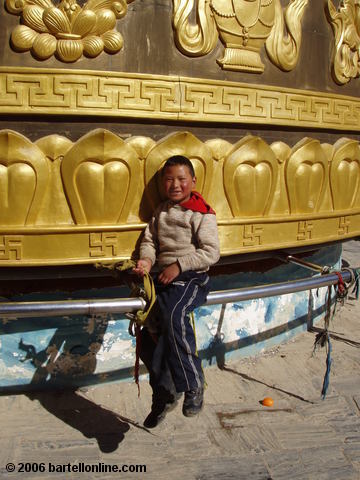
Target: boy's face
178,183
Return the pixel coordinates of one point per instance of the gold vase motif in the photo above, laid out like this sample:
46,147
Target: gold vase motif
244,27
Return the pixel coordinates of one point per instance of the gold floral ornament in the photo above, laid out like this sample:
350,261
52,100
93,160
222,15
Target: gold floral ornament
67,30
244,26
345,22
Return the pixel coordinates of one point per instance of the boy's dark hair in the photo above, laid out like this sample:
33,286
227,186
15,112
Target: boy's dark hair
178,160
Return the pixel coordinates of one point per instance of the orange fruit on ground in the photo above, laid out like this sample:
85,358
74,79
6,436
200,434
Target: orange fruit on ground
268,402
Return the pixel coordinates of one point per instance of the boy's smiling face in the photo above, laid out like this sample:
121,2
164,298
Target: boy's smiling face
178,183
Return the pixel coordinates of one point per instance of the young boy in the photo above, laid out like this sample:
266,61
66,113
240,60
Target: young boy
182,237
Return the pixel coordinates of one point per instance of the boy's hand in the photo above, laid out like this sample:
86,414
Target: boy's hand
169,273
143,265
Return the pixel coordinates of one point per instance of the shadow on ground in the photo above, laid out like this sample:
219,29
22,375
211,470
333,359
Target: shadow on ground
92,420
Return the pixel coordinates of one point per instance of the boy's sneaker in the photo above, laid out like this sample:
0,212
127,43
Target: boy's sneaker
159,409
193,402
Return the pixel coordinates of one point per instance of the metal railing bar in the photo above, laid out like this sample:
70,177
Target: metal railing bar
10,310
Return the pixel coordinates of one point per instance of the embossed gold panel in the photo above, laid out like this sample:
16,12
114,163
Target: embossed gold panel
244,27
345,23
23,179
250,174
43,91
66,29
100,174
71,203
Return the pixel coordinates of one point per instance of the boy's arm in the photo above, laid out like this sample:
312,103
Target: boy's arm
207,251
147,249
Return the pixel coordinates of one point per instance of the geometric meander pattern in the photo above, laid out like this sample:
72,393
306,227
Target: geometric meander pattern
45,91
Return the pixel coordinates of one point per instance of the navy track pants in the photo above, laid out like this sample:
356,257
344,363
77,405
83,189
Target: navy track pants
169,351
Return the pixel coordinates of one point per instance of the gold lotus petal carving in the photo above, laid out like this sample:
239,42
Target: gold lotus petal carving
220,148
93,45
54,204
113,41
64,202
69,50
142,145
100,174
54,146
84,23
24,175
33,18
41,3
250,175
345,174
88,29
44,45
328,149
253,181
348,179
254,178
280,203
14,178
56,21
306,176
106,20
102,190
23,37
281,150
244,27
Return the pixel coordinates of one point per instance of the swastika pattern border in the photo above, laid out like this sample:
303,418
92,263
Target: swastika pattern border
27,248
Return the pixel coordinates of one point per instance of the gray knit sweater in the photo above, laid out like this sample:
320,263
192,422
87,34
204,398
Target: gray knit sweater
176,234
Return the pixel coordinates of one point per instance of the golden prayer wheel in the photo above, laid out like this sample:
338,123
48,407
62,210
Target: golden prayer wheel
261,95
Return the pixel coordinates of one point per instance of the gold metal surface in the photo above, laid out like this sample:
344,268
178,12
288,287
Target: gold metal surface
345,21
244,27
67,30
71,203
65,202
100,175
23,179
43,91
